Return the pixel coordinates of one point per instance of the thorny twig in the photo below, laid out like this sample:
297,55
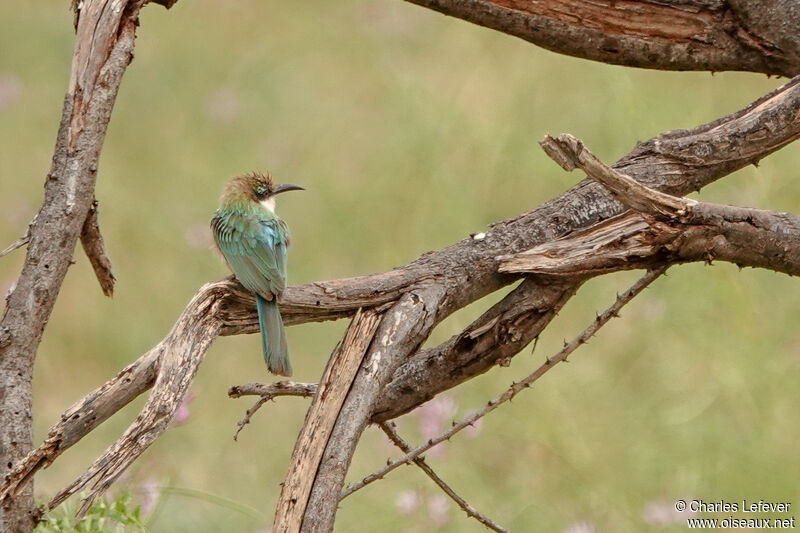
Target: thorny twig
515,388
22,241
267,393
391,432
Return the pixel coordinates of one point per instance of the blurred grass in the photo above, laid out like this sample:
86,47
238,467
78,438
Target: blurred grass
410,130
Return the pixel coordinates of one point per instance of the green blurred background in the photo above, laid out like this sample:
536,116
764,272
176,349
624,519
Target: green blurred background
410,130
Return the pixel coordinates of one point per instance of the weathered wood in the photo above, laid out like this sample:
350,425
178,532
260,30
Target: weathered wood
668,34
403,328
711,35
492,339
517,387
676,163
274,390
320,419
663,229
182,351
103,50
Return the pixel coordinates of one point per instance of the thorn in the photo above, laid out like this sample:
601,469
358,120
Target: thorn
535,342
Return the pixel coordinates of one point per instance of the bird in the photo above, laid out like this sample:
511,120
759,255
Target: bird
253,240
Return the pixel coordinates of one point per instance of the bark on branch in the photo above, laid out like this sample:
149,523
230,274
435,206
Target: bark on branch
404,327
95,250
322,415
663,229
515,388
712,35
105,32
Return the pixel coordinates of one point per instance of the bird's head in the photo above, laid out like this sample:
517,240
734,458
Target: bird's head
258,187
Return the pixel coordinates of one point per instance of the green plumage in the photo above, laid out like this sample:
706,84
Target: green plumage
253,241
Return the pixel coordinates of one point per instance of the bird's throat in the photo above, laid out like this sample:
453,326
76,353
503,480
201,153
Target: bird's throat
269,204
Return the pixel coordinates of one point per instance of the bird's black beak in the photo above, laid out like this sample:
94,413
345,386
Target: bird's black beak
283,187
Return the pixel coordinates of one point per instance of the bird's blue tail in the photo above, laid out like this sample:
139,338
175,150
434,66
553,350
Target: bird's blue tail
273,338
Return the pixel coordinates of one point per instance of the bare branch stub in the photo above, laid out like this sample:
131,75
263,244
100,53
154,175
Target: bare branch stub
570,153
95,250
273,390
19,243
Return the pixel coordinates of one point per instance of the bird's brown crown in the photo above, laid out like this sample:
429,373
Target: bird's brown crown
255,185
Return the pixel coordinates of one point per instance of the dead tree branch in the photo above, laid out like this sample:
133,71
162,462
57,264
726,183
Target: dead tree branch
274,390
675,162
182,352
334,386
378,371
402,329
665,35
105,33
389,429
267,393
664,229
508,395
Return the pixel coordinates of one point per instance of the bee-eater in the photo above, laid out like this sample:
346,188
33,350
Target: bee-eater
253,241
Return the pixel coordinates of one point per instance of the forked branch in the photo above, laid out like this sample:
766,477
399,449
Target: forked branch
662,229
601,320
267,393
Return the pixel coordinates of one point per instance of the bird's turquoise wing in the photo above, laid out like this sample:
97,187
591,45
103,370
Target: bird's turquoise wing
255,249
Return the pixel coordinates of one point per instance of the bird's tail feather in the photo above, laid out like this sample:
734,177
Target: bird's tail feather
273,337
